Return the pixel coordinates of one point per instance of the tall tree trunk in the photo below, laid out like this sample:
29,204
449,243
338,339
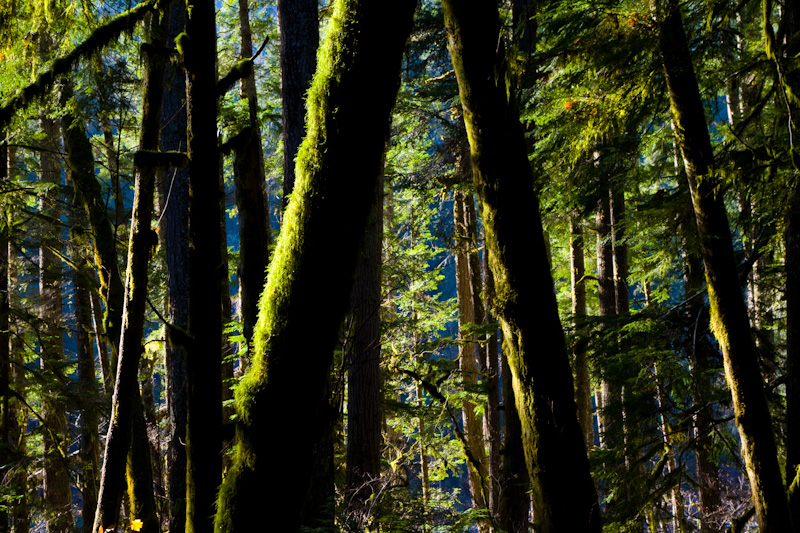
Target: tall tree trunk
82,279
204,359
174,188
580,363
251,197
364,420
610,409
470,312
363,56
729,320
5,352
299,29
791,22
492,427
56,470
127,445
563,492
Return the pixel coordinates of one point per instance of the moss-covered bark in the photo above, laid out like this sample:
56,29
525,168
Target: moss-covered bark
563,492
729,320
5,353
97,40
126,402
313,264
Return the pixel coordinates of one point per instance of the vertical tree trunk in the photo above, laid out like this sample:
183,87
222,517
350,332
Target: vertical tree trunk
563,492
580,368
729,320
87,382
5,352
492,428
610,409
470,312
174,187
363,370
299,32
251,197
56,470
204,383
362,60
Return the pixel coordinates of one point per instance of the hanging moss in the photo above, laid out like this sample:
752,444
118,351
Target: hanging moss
156,159
240,70
100,38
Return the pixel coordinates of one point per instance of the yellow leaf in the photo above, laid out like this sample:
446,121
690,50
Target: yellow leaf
100,530
136,525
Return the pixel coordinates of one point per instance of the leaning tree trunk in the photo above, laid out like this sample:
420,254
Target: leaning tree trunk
360,62
564,496
123,460
729,320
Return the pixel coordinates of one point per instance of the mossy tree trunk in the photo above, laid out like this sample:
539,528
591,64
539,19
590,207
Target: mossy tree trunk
729,320
360,62
88,388
5,352
299,33
564,496
127,447
204,358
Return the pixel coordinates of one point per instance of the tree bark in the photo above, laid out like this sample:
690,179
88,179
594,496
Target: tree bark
470,312
204,358
729,320
563,492
299,31
126,409
362,60
251,197
580,368
56,470
174,187
364,421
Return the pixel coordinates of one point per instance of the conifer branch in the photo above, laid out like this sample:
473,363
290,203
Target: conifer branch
99,39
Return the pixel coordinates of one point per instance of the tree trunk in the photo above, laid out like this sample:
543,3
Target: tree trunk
729,320
470,312
251,197
175,189
492,428
82,278
362,63
364,419
5,352
55,436
204,358
126,435
299,29
580,368
563,492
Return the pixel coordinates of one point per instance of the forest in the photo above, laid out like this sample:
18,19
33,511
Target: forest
411,266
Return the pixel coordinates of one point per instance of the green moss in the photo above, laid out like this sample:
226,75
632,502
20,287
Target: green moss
97,40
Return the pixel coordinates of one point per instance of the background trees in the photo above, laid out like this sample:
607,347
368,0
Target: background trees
593,97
